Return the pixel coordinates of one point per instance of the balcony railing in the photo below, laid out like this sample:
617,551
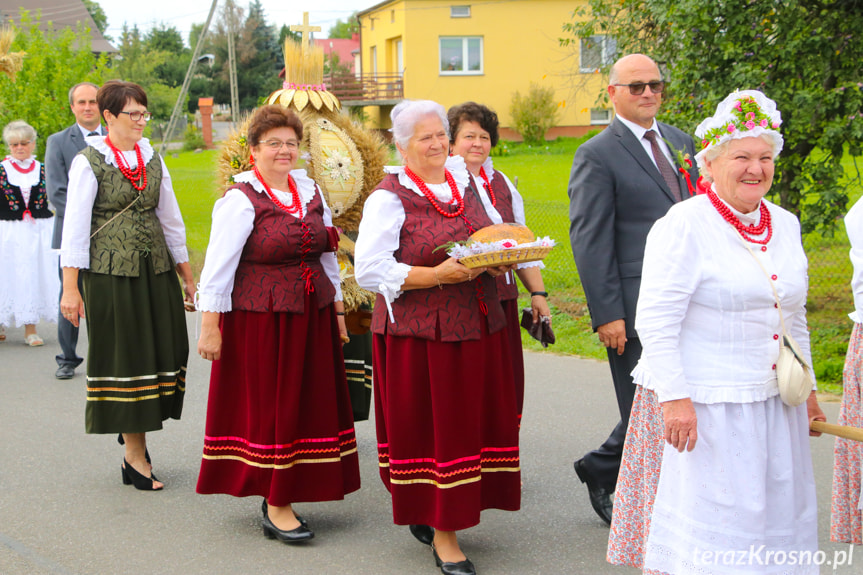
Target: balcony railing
367,88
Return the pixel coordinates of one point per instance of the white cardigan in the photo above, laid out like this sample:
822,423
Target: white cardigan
706,315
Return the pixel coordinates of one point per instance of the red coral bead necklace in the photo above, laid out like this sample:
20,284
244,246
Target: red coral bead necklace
138,176
748,232
18,168
295,207
487,185
431,197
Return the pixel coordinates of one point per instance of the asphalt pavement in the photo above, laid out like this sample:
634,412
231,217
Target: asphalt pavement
64,509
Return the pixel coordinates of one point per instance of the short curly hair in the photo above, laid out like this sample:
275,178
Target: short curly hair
473,112
271,117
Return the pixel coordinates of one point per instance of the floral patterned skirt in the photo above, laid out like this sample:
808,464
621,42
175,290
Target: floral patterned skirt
636,483
845,517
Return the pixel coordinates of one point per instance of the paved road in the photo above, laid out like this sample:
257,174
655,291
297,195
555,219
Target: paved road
64,510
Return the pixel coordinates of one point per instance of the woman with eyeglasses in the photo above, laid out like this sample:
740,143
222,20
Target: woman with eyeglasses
124,232
279,418
29,293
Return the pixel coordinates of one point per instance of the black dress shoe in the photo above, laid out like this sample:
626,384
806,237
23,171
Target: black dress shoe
450,568
264,508
297,535
423,533
600,498
65,371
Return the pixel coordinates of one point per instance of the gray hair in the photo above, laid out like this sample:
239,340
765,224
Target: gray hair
20,131
407,114
75,87
717,150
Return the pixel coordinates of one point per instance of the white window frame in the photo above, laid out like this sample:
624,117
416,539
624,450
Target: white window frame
596,120
464,51
459,11
607,51
373,60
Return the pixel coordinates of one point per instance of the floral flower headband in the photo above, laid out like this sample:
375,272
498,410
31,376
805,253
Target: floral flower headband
743,114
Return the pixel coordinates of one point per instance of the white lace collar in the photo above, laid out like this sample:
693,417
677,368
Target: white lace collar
305,186
98,142
15,177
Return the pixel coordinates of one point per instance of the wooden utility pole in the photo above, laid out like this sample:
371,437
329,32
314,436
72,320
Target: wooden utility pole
185,89
232,63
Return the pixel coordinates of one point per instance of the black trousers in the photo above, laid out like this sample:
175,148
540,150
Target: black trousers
603,463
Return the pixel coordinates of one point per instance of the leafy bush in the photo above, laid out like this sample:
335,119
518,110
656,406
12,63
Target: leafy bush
533,114
193,139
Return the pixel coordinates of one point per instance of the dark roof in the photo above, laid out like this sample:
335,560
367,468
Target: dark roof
57,14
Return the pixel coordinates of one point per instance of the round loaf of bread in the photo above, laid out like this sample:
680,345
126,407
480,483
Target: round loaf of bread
521,234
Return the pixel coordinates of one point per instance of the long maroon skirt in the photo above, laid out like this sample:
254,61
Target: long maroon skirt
516,353
279,419
447,427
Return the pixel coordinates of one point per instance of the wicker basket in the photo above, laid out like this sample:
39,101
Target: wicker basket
505,257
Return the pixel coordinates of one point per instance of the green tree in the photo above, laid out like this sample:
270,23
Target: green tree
53,64
534,113
97,14
804,54
285,32
345,29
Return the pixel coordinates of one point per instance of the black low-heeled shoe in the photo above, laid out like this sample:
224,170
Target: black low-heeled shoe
131,476
122,441
297,535
465,567
423,533
264,508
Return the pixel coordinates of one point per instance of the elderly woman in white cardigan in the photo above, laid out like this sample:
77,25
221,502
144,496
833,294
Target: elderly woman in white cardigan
736,470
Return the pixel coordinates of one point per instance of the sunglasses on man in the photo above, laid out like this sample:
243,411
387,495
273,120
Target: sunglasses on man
637,88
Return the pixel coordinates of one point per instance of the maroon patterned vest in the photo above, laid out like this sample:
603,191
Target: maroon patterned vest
455,307
503,205
269,276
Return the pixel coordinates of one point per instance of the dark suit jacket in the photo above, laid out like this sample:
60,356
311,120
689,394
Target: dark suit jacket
62,148
616,193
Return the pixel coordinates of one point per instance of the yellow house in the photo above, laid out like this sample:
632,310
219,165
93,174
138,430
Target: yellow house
452,51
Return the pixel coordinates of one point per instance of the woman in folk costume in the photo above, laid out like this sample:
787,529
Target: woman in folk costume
28,292
845,515
719,269
474,132
279,420
123,231
445,401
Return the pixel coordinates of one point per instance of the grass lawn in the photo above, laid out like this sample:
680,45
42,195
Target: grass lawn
543,173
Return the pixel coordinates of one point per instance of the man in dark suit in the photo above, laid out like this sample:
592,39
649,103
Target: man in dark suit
622,181
62,149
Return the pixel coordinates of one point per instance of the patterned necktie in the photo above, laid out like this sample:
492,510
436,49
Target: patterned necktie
665,169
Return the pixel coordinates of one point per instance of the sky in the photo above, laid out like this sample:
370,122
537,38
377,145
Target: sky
182,14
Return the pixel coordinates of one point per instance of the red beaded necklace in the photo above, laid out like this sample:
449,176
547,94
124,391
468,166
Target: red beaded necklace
431,198
747,232
295,207
487,186
19,168
138,176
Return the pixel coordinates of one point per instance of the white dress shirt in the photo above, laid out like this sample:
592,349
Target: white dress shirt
639,132
706,314
233,220
75,249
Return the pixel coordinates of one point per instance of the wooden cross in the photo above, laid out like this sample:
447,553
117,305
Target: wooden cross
305,29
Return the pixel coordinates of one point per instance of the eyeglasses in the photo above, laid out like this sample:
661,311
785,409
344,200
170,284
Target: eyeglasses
637,88
136,116
16,144
276,145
